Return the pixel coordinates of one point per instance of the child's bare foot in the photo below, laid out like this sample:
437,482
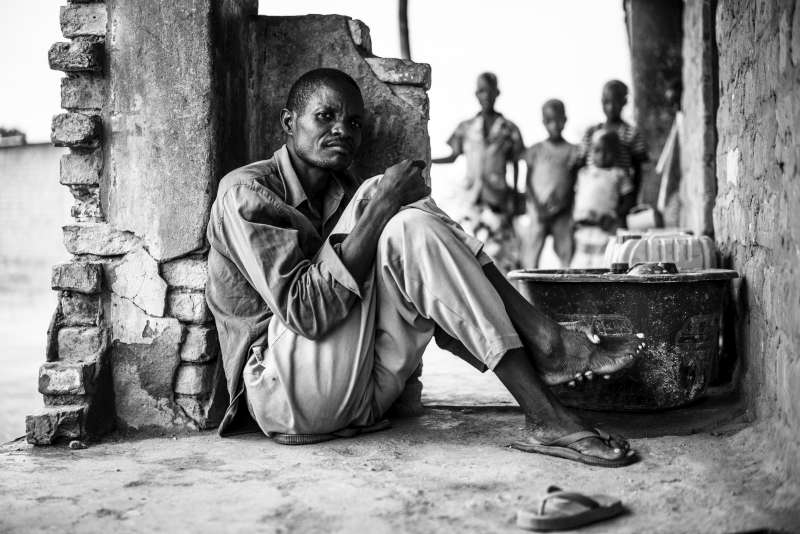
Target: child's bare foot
584,355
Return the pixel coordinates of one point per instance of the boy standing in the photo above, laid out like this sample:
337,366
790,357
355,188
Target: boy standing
599,192
550,183
631,150
490,142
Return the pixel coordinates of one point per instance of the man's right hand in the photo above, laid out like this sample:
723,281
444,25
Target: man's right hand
403,184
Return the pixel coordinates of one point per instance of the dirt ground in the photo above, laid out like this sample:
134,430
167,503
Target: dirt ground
446,471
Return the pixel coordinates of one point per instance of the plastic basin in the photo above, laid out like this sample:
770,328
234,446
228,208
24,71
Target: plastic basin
679,315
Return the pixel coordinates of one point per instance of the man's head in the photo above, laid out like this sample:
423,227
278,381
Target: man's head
323,117
615,96
486,90
604,147
554,117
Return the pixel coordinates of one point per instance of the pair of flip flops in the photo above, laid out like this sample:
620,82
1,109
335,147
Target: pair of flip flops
568,510
308,439
560,448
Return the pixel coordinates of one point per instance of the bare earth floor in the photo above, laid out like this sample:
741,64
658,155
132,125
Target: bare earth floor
447,471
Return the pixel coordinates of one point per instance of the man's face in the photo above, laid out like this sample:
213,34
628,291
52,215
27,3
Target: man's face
613,102
486,94
553,121
327,132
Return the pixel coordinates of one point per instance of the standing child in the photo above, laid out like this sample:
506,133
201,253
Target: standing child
631,150
550,187
599,192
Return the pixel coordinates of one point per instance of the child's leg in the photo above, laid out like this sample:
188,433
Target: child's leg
532,246
561,230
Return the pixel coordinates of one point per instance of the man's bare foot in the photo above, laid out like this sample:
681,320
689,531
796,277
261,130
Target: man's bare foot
584,355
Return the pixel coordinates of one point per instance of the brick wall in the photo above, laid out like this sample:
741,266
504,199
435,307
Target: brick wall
756,218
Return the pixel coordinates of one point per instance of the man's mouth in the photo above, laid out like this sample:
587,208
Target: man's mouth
341,145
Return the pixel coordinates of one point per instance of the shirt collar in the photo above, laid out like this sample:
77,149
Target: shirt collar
293,189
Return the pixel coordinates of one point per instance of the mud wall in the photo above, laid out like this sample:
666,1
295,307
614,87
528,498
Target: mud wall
756,217
698,135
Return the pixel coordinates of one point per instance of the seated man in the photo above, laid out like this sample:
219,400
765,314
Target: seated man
325,292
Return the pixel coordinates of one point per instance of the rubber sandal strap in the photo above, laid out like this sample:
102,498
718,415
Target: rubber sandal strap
579,498
569,439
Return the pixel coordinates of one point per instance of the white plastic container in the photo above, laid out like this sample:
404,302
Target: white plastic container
686,251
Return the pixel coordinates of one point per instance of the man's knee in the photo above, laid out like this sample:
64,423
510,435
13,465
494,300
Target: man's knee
412,226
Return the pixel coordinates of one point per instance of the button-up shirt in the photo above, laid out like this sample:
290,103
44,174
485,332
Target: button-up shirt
271,253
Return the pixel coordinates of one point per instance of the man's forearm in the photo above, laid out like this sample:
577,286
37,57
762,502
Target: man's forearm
358,249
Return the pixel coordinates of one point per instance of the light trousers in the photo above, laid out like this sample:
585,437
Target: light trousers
427,272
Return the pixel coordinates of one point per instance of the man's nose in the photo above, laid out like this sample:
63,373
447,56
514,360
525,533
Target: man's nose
341,129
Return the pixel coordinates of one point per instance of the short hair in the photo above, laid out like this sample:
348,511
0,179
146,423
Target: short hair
609,137
489,77
308,83
556,105
617,87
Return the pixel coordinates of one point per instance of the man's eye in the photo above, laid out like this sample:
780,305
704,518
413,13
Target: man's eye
356,124
324,115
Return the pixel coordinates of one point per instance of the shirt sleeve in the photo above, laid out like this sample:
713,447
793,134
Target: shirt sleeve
456,140
310,295
585,146
517,146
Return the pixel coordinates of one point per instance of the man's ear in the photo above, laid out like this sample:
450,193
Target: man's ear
287,121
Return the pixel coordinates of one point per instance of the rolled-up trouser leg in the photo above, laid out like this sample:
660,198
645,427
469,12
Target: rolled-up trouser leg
426,276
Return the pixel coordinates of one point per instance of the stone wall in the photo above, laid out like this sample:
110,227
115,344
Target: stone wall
756,216
159,99
698,135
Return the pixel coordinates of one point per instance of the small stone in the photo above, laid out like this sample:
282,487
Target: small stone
83,91
194,379
83,277
136,278
98,239
81,343
81,168
77,445
76,130
201,344
86,19
360,34
50,424
186,273
400,71
80,55
87,203
67,378
189,307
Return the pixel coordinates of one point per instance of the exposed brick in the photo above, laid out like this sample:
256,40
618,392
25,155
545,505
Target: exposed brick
65,400
83,277
401,71
83,19
98,239
81,343
192,379
76,130
54,423
201,345
87,203
188,306
80,55
83,91
67,378
186,273
81,168
417,97
360,34
78,309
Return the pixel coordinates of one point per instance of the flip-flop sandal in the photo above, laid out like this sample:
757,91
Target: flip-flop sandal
560,448
308,439
569,510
